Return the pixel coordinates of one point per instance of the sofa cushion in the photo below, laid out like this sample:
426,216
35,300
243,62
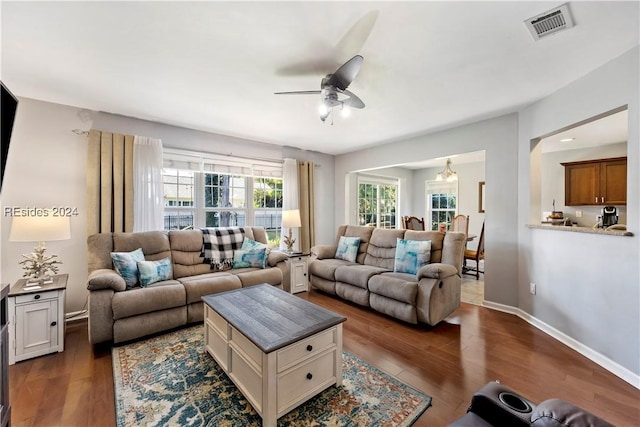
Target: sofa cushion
154,244
186,250
356,274
381,250
126,264
411,255
207,284
398,286
348,248
154,271
158,296
326,268
362,232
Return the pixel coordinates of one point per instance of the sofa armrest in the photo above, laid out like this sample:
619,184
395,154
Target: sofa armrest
324,251
104,278
275,257
436,271
559,413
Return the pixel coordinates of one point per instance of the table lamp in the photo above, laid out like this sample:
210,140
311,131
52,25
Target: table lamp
40,227
290,220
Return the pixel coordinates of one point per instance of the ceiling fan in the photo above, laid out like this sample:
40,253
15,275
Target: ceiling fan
333,89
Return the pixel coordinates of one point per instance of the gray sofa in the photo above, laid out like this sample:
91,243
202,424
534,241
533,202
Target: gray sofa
118,314
428,296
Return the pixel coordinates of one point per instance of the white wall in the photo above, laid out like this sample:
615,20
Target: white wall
47,167
498,137
588,285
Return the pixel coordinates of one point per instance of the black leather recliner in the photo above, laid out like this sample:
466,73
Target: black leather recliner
496,405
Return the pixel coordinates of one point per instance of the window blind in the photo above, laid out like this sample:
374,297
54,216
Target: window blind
217,163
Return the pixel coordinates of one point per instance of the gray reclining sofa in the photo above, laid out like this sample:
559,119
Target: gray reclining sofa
119,314
428,296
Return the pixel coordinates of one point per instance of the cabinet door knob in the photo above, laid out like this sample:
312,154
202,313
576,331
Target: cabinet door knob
309,347
36,297
309,376
54,323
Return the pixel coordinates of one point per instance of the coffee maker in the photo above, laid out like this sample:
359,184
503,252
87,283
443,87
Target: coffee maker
609,216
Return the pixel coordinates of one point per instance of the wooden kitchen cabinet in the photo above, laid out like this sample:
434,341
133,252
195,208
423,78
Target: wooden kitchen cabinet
595,182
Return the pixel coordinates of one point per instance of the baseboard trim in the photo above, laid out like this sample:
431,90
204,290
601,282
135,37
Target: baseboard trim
608,364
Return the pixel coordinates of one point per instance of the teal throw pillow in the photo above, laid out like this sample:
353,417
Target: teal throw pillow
154,271
126,264
256,258
348,248
249,244
411,255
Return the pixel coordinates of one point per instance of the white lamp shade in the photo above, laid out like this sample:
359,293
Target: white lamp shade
291,218
40,228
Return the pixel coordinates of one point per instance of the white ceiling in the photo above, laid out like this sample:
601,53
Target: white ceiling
214,66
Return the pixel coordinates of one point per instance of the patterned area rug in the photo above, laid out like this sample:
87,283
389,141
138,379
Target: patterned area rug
171,380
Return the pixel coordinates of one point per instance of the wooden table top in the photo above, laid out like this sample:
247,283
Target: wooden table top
270,317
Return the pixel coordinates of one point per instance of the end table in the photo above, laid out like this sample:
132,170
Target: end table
36,318
298,269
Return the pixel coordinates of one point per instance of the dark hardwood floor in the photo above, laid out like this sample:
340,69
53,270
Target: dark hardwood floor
449,362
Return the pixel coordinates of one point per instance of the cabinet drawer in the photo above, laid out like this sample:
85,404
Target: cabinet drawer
306,380
217,322
247,348
36,297
306,348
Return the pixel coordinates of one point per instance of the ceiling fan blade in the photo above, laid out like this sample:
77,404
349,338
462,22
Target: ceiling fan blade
344,75
355,38
299,92
352,101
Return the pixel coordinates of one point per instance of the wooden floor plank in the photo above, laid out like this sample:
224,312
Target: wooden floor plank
449,362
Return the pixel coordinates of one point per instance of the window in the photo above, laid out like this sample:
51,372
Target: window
211,192
178,195
377,202
441,203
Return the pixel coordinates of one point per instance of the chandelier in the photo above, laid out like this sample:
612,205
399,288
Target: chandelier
447,174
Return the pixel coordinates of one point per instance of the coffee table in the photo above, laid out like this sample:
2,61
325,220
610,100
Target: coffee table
278,349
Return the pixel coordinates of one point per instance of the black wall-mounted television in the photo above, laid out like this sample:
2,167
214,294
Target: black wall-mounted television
8,110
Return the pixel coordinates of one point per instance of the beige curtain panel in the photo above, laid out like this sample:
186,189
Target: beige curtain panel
307,206
109,182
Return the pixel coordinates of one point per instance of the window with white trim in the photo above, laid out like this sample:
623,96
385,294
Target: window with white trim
442,202
377,201
204,190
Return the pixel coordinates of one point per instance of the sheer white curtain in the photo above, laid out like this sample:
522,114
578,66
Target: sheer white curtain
289,194
148,202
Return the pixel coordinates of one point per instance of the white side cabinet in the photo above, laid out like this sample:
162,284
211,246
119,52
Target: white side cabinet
36,319
298,266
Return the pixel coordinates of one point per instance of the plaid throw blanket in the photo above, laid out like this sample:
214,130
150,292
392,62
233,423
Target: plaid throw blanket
218,245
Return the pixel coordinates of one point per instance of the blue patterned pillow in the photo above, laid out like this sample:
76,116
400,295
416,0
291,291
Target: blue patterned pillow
348,248
126,264
154,271
249,244
411,255
256,258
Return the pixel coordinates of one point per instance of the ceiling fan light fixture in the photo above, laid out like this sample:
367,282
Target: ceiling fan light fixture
323,109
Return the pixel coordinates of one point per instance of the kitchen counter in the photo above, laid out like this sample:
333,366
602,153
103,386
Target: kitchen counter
576,229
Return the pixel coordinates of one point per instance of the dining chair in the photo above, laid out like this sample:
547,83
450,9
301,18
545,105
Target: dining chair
413,223
477,256
460,223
